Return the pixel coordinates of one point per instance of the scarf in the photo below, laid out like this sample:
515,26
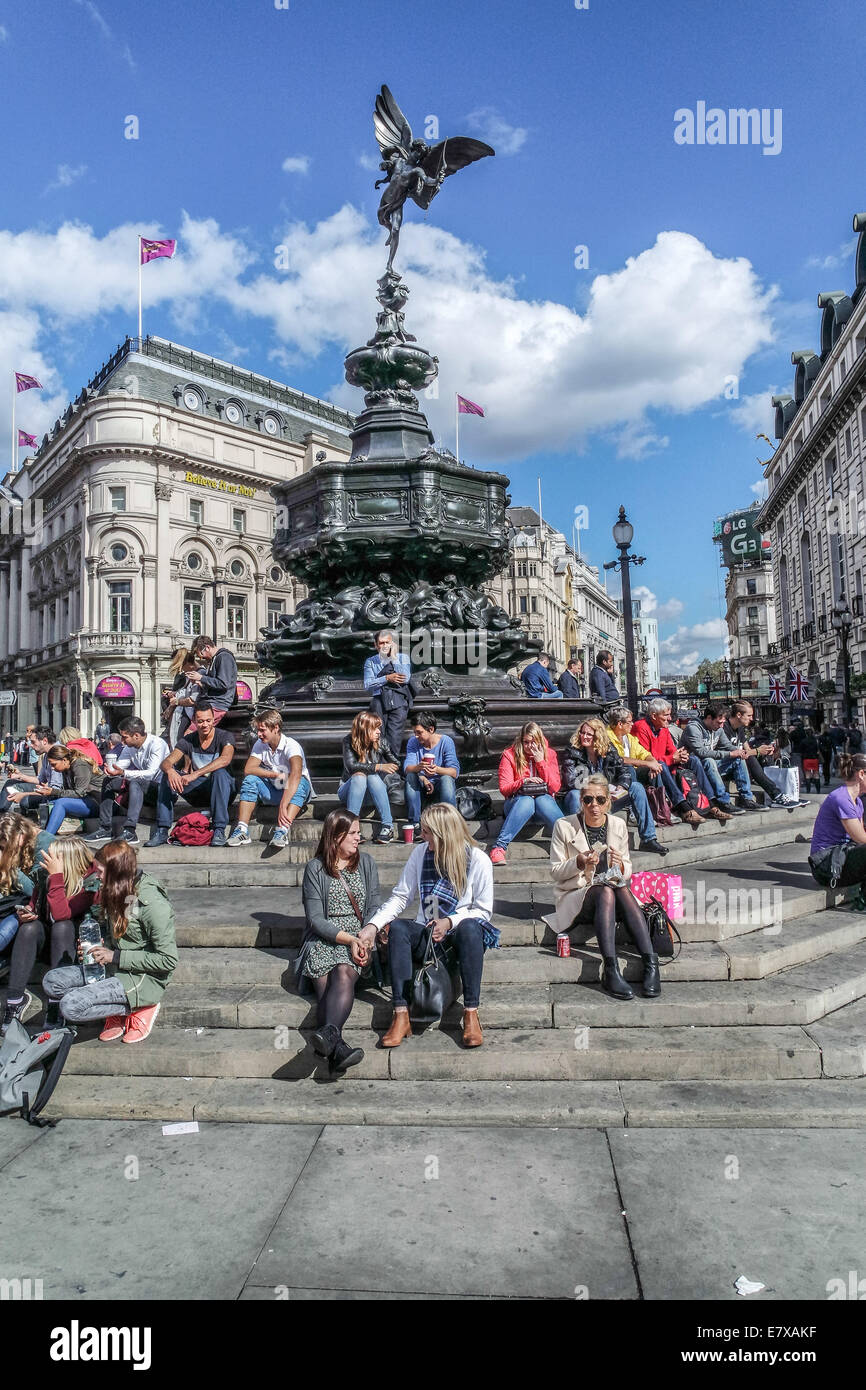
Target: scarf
435,889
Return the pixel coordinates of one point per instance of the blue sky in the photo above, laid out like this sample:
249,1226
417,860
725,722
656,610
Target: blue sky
704,261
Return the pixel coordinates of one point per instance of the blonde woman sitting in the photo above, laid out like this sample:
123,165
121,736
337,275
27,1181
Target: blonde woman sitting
581,846
453,880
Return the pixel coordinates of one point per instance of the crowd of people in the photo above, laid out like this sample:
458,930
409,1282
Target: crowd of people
693,765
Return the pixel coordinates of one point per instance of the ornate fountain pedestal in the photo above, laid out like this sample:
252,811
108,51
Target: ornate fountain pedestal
400,536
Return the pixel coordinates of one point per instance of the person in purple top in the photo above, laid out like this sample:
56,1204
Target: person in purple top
840,823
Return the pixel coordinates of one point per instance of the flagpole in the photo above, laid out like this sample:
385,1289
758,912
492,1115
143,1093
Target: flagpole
139,292
14,435
457,426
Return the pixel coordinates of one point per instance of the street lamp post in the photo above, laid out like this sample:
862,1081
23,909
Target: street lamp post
841,621
622,534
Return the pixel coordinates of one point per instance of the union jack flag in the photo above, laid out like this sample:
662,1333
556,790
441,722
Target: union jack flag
799,685
777,691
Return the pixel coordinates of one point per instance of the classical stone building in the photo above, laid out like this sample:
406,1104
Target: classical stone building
751,619
556,594
815,514
146,518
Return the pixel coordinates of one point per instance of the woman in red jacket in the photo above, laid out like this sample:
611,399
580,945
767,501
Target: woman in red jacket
529,778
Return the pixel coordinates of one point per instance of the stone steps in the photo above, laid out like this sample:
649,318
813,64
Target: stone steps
795,1104
533,1054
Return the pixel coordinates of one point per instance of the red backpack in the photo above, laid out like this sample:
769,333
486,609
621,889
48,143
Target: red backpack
192,829
688,785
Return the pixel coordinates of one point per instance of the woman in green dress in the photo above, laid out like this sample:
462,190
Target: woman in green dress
341,893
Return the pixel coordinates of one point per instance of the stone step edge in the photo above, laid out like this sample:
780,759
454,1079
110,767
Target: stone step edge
795,1104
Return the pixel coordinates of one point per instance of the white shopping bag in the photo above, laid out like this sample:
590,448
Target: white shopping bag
787,779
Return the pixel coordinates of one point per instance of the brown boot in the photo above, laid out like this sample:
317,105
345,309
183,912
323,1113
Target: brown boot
691,817
472,1034
400,1028
716,813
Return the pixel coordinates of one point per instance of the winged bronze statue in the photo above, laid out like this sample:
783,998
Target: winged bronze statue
412,168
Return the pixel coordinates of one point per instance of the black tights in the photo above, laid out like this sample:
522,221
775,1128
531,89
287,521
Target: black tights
336,995
603,907
29,940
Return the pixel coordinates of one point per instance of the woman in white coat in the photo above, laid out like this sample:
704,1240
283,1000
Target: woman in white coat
579,845
453,880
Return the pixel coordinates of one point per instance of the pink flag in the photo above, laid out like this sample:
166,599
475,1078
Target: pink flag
26,383
465,407
25,440
152,250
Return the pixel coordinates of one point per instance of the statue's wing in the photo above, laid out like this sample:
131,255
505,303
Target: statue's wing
446,158
390,124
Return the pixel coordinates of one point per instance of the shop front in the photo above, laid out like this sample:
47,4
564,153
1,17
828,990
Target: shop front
117,698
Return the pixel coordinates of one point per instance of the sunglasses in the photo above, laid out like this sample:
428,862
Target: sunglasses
593,800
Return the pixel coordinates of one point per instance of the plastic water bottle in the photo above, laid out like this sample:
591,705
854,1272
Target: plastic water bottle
89,935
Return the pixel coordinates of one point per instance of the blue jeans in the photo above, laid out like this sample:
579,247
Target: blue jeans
81,806
8,928
696,767
715,771
266,789
444,789
520,810
546,695
353,794
404,942
636,797
214,791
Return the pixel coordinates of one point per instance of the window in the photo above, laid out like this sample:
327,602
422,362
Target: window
193,602
751,586
120,606
193,560
754,645
196,511
236,568
237,616
276,574
848,446
119,553
239,519
192,399
117,499
534,604
752,613
234,413
276,607
523,605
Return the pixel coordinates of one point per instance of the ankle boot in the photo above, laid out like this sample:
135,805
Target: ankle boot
400,1028
344,1056
652,983
472,1032
325,1039
612,981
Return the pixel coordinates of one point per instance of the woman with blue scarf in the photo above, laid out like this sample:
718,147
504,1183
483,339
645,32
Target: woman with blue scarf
453,880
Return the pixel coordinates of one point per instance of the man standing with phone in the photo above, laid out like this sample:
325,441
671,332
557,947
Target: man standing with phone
387,675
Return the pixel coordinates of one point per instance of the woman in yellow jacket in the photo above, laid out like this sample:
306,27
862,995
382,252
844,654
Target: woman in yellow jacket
581,846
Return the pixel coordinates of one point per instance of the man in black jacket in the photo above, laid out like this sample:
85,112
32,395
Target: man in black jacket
219,683
601,682
571,680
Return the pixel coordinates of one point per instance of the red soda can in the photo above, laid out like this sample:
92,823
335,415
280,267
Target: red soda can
563,944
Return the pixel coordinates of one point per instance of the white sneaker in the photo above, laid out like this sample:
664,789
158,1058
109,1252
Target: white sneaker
239,836
281,837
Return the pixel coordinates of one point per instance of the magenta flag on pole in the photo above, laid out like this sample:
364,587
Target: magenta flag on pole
152,250
25,440
465,407
26,383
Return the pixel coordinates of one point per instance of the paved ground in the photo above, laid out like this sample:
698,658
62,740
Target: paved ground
117,1210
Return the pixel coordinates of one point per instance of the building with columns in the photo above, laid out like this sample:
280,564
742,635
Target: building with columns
144,519
815,513
556,594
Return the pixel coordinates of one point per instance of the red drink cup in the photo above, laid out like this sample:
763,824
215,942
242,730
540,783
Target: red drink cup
563,945
408,834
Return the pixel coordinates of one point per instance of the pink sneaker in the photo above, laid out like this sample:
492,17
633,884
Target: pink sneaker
140,1023
114,1028
497,855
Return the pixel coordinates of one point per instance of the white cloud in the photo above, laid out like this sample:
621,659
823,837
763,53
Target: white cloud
490,125
4,33
837,260
760,489
547,375
687,647
755,414
637,441
651,608
369,162
296,164
66,176
106,30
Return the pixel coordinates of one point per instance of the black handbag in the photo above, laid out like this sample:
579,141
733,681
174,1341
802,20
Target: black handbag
662,930
827,866
433,988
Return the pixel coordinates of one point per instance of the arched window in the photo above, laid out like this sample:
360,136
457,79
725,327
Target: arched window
807,576
784,596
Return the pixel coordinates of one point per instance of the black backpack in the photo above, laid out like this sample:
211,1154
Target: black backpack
688,785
